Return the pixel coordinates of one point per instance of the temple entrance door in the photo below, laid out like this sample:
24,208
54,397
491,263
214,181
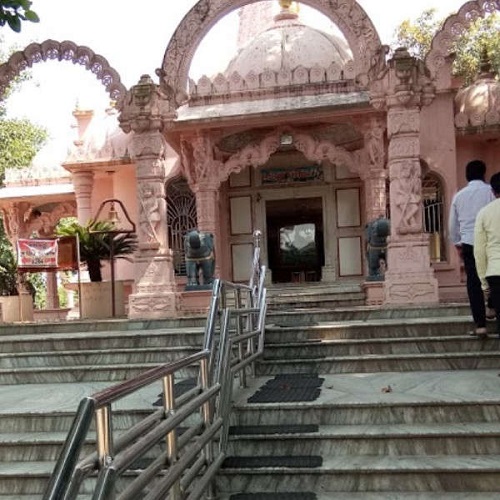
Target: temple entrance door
295,239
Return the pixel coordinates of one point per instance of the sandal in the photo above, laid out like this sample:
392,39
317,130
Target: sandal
480,333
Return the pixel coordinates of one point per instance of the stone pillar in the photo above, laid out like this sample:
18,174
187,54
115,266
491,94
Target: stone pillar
145,114
83,181
52,292
409,278
204,174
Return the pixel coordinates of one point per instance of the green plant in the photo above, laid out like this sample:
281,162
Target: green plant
95,240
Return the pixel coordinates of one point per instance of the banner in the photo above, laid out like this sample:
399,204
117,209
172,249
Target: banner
36,254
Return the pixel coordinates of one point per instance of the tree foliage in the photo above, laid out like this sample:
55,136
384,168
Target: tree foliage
14,12
20,140
481,38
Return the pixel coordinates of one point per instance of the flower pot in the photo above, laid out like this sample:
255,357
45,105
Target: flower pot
96,300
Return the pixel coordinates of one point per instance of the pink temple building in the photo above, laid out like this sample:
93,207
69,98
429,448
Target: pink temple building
307,136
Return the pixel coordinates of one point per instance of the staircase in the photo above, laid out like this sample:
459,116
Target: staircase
368,403
349,402
45,370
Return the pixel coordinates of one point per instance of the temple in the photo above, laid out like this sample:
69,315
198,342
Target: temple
307,136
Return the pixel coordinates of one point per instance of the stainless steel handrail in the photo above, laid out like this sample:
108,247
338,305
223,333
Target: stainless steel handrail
234,339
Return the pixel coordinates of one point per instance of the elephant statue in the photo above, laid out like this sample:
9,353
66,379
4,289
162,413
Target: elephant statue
200,258
376,233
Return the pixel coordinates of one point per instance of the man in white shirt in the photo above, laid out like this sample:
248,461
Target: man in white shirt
465,206
487,247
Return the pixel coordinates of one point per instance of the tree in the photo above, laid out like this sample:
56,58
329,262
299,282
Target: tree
482,37
13,12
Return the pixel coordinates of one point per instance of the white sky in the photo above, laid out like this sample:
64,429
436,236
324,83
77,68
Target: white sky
133,39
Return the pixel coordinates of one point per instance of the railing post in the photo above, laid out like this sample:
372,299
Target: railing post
169,404
104,435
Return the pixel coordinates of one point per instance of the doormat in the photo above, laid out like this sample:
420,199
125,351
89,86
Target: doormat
274,496
299,461
289,388
179,389
273,429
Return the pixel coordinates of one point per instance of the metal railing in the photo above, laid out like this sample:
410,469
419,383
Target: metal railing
192,427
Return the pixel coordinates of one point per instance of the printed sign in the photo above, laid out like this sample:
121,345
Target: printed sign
36,254
287,175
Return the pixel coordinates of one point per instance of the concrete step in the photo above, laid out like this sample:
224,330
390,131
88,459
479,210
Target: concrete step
372,474
386,495
381,363
381,440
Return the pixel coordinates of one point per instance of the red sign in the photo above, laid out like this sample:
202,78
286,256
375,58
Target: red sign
37,254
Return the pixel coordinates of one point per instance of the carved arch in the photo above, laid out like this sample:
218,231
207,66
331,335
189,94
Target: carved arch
350,18
257,154
63,51
453,27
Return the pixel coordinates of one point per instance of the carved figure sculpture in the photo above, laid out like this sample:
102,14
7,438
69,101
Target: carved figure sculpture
150,216
407,198
376,233
200,257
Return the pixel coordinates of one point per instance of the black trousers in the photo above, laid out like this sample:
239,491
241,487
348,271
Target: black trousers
474,290
494,284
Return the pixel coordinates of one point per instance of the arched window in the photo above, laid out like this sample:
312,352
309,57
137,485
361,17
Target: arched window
181,218
433,219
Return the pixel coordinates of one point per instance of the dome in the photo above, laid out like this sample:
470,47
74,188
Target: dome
288,44
479,103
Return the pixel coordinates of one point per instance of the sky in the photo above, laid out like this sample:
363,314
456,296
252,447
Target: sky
133,39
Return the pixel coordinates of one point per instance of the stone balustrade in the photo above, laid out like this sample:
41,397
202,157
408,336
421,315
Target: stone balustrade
268,79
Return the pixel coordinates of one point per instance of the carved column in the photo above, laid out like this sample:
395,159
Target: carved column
204,174
374,174
409,278
52,292
83,182
146,112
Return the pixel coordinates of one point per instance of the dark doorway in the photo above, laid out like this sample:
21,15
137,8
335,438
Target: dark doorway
295,239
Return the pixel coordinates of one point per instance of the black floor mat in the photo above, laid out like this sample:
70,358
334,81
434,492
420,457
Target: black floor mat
289,388
273,429
179,389
305,461
274,496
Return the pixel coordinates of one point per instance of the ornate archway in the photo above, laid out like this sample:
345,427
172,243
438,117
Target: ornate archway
350,18
63,51
453,27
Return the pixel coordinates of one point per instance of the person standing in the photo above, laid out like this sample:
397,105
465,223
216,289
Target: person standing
465,206
487,248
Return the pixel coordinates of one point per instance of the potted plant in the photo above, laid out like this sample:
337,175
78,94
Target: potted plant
95,240
95,243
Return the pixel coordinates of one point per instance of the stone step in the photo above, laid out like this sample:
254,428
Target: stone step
300,316
120,339
321,300
373,329
366,347
103,325
371,474
381,363
386,495
101,358
112,373
36,446
381,440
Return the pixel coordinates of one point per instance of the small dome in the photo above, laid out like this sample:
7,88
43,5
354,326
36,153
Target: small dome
479,103
288,44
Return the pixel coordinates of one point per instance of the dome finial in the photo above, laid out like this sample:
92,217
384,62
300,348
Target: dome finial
287,11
